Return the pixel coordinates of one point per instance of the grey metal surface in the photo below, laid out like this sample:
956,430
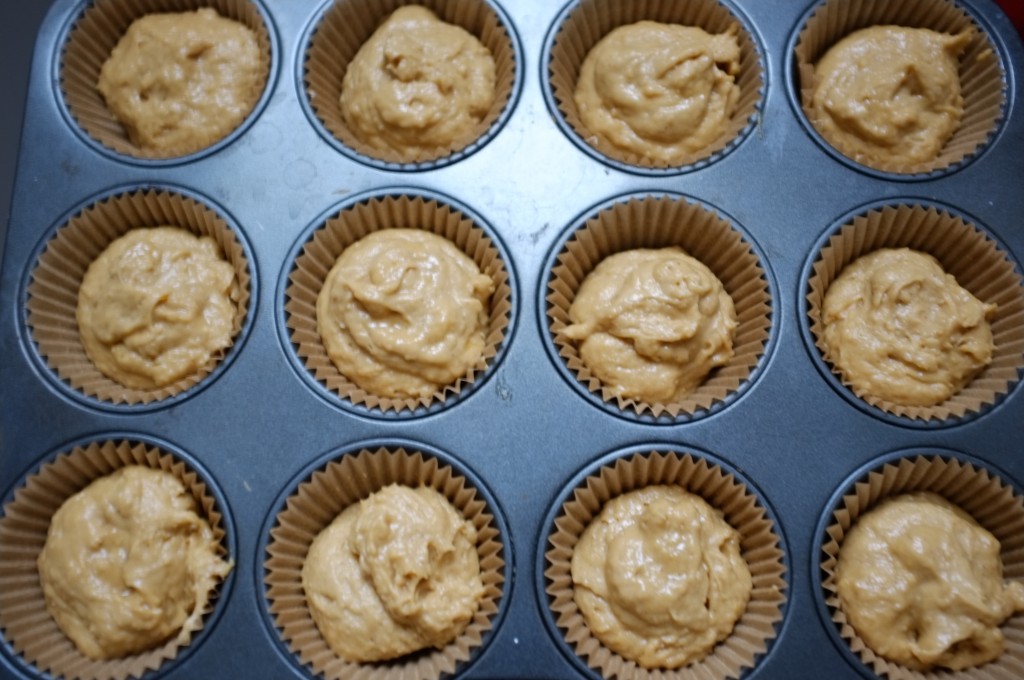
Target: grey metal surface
526,432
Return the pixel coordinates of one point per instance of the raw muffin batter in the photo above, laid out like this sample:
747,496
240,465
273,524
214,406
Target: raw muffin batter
128,564
155,306
899,328
403,313
890,94
179,82
922,583
661,91
651,324
396,573
659,578
418,85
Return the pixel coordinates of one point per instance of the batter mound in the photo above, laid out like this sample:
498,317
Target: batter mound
889,94
661,91
394,574
404,313
155,306
651,324
922,583
180,82
659,578
900,328
128,564
418,85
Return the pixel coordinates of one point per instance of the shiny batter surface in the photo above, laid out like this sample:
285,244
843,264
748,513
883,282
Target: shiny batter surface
155,306
179,82
403,313
890,94
900,328
394,574
659,578
417,85
128,564
922,583
651,324
662,91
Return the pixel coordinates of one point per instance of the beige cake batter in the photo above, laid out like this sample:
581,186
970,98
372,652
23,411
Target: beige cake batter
128,564
659,578
394,574
403,313
901,329
418,85
922,583
890,94
179,82
661,91
651,324
155,306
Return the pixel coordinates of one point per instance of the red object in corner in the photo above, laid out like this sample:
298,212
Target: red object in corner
1015,10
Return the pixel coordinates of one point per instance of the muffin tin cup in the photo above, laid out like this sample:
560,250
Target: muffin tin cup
964,481
972,256
582,24
326,490
27,626
659,221
339,33
51,292
89,43
761,546
983,79
316,254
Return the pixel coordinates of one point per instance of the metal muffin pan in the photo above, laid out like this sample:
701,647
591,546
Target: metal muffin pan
522,429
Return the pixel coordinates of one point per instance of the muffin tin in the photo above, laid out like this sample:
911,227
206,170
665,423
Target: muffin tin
524,430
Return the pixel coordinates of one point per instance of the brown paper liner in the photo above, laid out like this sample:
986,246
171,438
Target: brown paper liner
57,276
989,500
760,546
347,24
353,223
314,505
27,625
93,38
659,222
982,79
591,20
964,251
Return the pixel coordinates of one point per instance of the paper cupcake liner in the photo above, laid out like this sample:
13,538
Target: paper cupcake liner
977,263
347,24
352,223
92,39
314,505
57,277
27,626
982,77
990,501
591,20
659,222
760,546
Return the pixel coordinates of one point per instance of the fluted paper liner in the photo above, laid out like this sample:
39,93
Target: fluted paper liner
659,222
982,79
760,547
26,624
314,505
57,277
980,493
347,24
591,20
977,263
92,39
319,254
